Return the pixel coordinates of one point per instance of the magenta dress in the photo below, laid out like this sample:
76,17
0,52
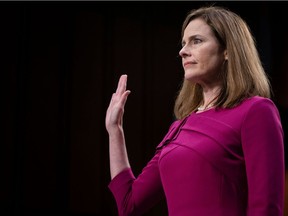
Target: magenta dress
225,162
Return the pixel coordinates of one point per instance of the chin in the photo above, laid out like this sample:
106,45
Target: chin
190,77
193,75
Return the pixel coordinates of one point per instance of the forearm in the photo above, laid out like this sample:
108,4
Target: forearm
117,152
134,196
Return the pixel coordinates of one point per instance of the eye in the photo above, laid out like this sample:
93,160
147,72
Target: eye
197,41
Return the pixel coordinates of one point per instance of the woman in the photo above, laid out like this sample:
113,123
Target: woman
224,153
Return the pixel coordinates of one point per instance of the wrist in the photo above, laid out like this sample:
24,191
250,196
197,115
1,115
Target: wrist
115,130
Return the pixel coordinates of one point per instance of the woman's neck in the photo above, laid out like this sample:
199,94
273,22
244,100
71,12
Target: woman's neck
209,96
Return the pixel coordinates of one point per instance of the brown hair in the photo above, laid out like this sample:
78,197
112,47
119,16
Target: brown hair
243,75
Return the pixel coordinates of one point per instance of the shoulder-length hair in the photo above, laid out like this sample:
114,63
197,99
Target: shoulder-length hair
243,75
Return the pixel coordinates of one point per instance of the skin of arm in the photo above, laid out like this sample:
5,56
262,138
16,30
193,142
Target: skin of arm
114,126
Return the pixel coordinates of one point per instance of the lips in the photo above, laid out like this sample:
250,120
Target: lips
188,63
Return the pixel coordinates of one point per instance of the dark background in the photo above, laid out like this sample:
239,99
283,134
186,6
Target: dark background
60,63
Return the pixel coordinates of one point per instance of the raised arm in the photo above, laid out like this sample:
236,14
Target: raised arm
114,125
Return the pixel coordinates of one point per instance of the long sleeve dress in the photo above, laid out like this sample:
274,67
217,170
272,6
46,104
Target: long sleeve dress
220,162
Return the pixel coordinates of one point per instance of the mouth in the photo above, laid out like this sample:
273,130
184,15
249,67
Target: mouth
188,63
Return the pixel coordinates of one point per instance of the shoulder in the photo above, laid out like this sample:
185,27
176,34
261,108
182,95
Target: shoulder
249,105
260,109
257,100
254,110
257,103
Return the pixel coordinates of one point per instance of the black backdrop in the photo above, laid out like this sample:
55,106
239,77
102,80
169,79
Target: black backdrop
60,62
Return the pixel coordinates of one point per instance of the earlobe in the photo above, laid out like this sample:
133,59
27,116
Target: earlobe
225,55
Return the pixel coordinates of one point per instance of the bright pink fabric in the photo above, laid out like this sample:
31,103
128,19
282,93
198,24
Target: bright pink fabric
225,162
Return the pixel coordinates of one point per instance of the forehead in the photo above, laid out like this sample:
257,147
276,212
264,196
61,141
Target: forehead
197,27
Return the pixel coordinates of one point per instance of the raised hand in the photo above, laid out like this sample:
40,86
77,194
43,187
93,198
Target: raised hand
115,111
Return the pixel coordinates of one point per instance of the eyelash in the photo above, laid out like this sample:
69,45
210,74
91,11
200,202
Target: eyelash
194,41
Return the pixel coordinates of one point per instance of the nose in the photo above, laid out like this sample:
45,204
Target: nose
183,52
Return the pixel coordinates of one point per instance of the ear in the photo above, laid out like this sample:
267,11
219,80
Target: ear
225,55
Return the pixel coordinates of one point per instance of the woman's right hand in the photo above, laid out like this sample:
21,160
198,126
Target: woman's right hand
115,111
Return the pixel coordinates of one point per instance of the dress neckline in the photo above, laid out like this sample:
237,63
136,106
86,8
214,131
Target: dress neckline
204,111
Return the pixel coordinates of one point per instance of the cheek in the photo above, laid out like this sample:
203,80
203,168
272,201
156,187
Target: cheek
210,59
205,61
203,56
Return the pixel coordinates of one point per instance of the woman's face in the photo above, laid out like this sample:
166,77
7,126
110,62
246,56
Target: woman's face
202,55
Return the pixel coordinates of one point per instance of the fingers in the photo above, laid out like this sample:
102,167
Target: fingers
119,100
114,113
124,97
121,94
121,88
121,91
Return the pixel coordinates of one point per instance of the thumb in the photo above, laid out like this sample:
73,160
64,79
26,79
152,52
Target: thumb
125,96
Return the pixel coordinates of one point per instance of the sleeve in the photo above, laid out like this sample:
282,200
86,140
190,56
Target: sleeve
263,148
135,196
